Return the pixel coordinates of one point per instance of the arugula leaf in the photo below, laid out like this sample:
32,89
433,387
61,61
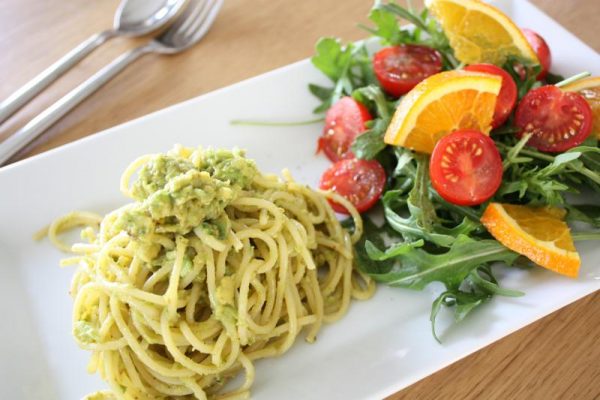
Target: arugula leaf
581,236
387,27
347,66
375,99
422,221
446,298
417,268
331,58
426,30
540,178
534,186
466,227
467,302
483,279
375,236
481,287
587,213
590,157
524,72
460,213
419,203
463,302
512,155
393,251
411,231
370,143
404,166
320,92
552,79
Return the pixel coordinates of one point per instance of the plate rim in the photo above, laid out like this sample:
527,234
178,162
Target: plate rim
41,157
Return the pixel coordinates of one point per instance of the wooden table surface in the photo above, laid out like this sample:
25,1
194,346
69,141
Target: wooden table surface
557,357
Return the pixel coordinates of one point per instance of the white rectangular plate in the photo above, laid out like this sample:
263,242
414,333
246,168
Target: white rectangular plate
381,346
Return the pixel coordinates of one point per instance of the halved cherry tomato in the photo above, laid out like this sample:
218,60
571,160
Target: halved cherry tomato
344,121
359,181
465,167
558,120
507,97
542,50
399,68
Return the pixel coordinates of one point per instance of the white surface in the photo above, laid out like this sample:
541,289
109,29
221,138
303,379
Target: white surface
381,346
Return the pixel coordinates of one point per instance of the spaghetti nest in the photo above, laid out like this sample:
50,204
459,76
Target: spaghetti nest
212,267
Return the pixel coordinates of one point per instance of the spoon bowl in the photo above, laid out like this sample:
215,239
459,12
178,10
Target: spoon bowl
140,17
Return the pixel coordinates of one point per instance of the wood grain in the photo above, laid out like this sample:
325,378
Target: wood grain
557,357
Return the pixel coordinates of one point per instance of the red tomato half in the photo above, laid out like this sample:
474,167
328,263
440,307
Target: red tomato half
507,97
465,167
558,120
542,50
344,121
359,181
399,68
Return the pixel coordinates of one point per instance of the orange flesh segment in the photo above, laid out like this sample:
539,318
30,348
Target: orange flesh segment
441,104
539,234
442,117
479,32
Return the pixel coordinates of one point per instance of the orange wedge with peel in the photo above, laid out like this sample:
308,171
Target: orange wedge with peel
539,234
441,104
589,88
479,32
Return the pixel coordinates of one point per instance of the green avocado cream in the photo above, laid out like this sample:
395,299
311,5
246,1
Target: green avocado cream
176,194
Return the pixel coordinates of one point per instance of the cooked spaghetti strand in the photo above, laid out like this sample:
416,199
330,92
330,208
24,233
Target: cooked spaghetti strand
212,267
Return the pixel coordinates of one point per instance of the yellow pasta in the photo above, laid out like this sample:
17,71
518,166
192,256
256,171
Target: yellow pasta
173,305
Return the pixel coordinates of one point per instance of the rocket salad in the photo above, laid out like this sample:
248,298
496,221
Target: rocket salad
449,196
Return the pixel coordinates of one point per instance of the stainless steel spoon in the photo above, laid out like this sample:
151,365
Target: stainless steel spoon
187,30
133,18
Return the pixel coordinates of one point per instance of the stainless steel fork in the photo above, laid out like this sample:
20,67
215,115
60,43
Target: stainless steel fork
186,31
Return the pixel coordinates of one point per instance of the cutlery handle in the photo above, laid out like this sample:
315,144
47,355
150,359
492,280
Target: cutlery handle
56,111
32,88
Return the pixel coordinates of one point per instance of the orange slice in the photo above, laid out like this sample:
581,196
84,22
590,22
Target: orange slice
441,104
480,33
589,88
539,234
